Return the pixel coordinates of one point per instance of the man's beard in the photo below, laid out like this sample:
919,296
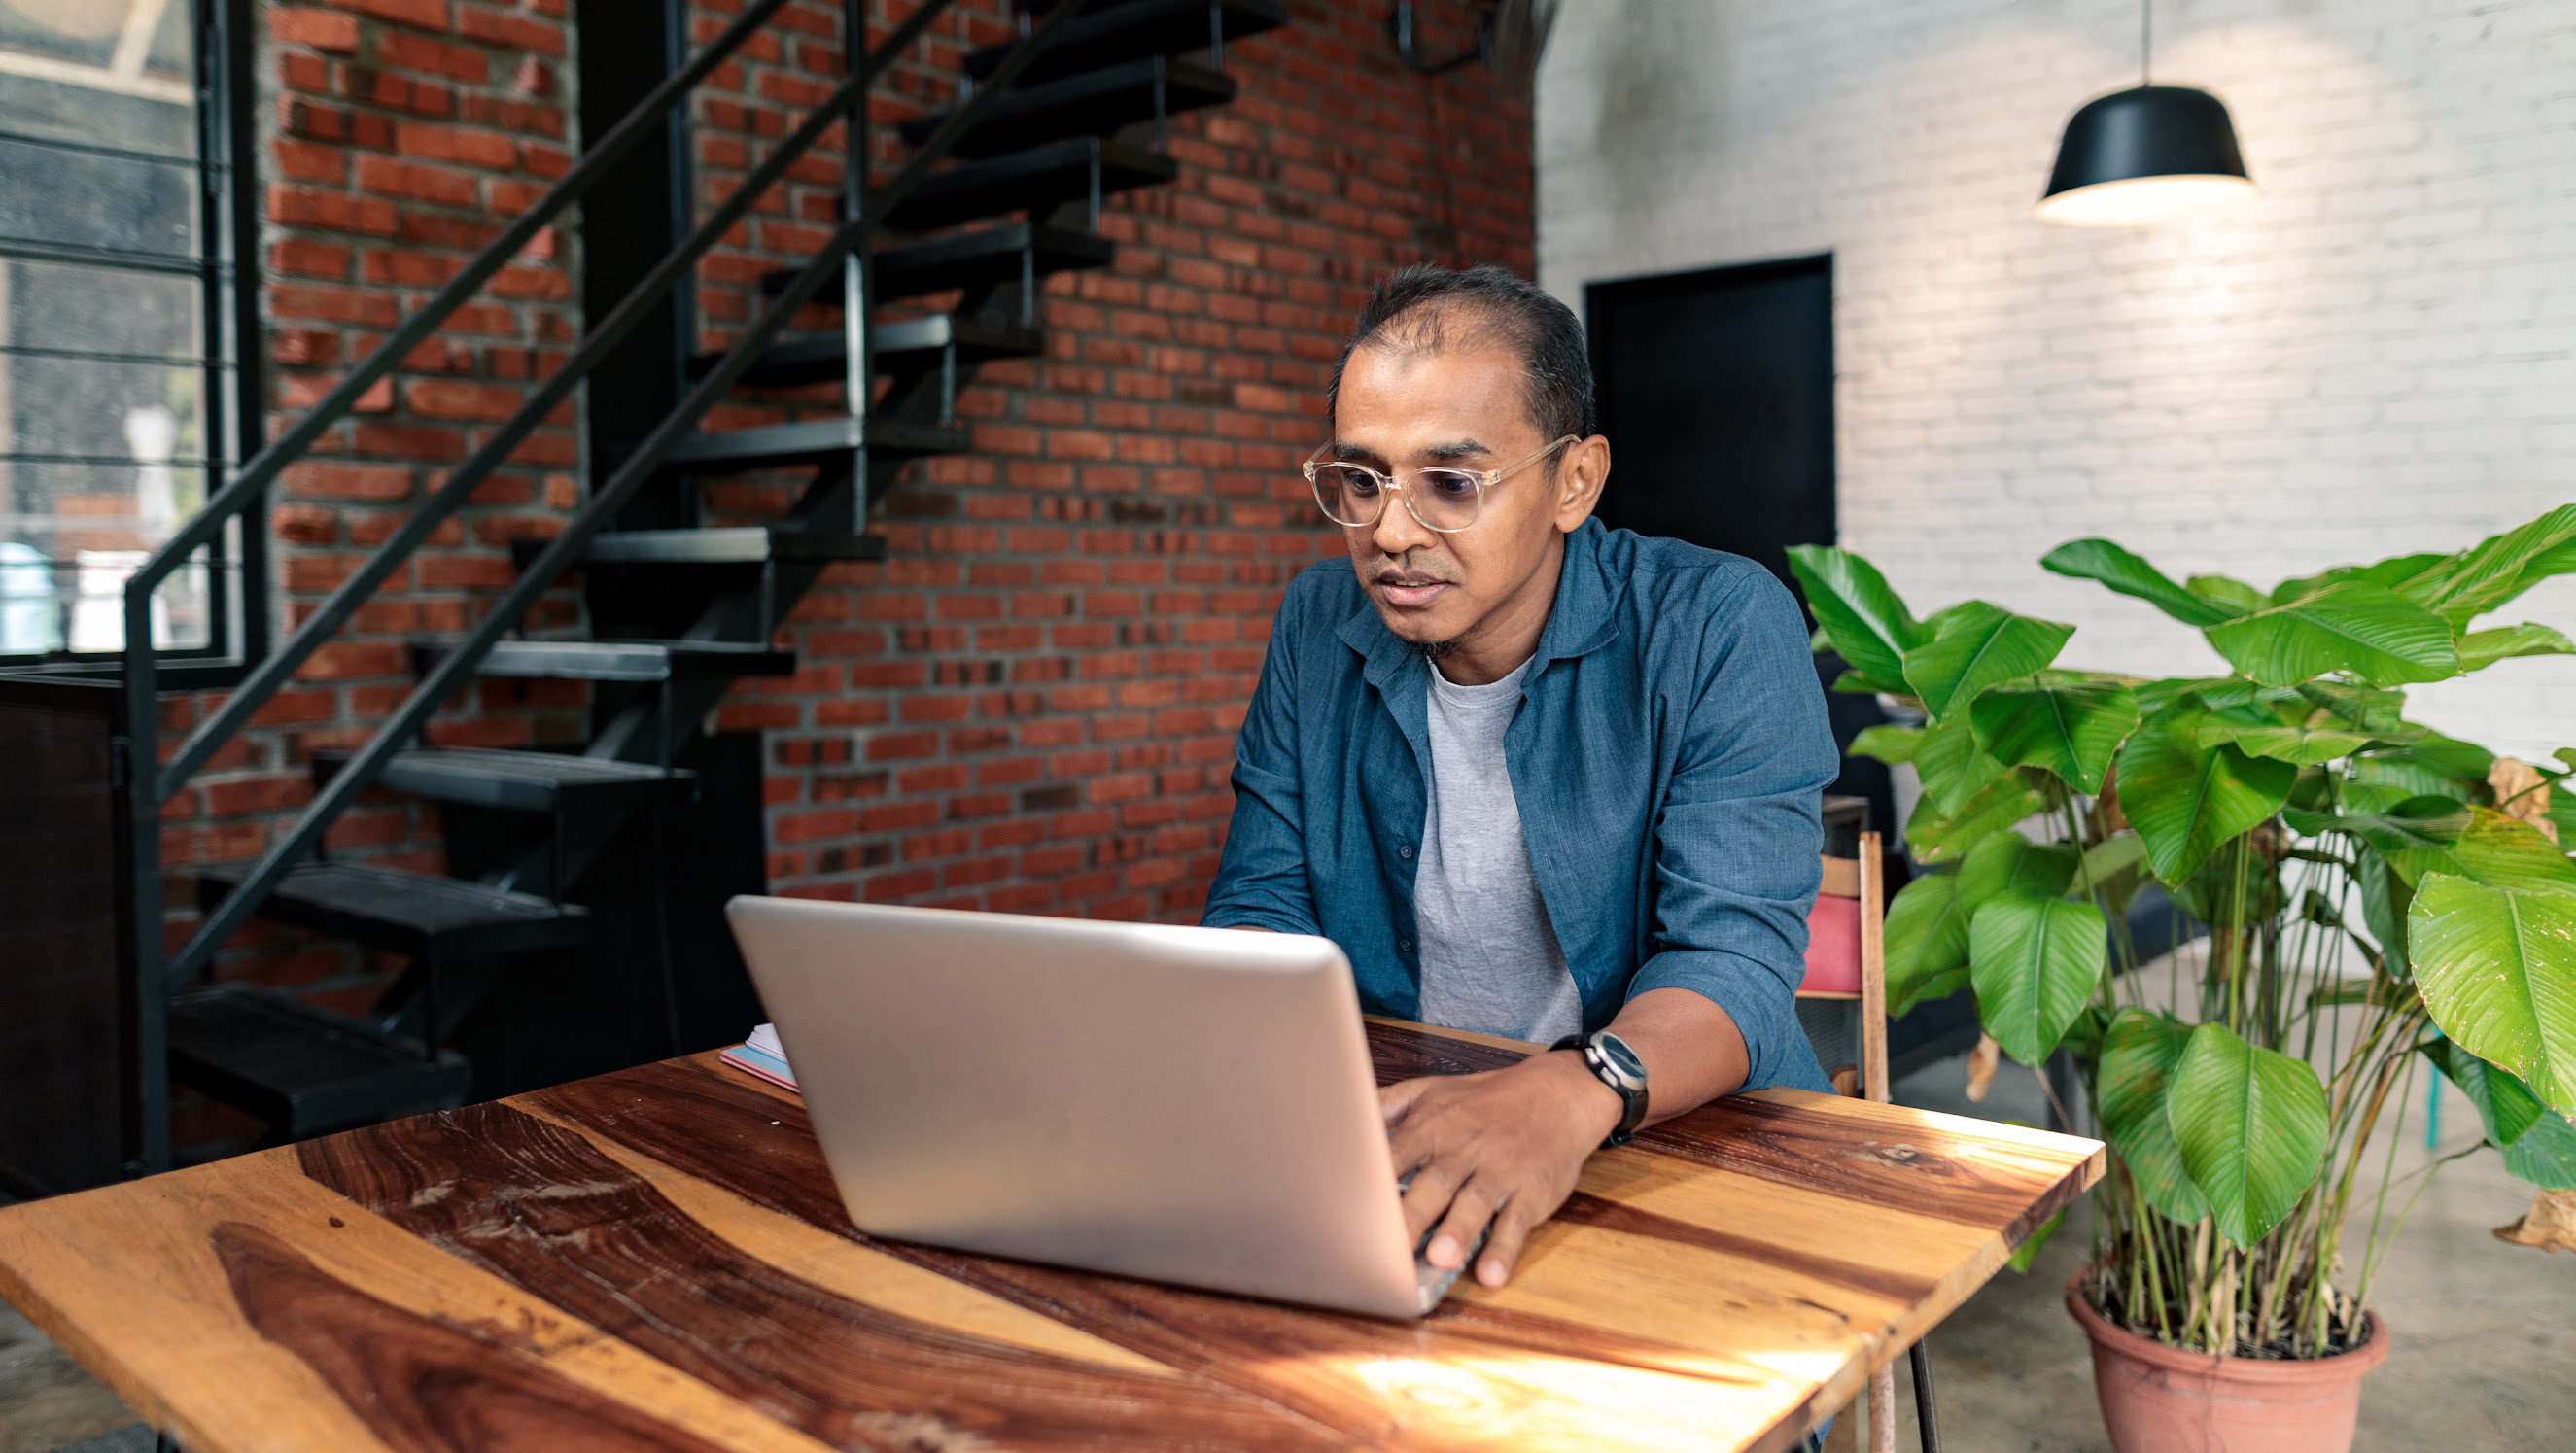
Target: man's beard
1433,650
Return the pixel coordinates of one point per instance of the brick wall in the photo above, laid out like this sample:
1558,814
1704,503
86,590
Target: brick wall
398,136
1031,705
2376,356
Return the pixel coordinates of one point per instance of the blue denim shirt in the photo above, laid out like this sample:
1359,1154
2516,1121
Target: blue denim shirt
1669,761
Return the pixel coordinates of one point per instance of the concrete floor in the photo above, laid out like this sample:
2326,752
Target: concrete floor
2484,1331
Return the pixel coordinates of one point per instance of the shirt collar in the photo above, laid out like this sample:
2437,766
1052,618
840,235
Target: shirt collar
1583,619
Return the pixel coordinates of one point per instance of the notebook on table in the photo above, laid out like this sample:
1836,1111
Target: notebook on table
763,1056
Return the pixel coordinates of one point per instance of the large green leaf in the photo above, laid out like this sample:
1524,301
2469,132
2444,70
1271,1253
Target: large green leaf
2131,576
2416,833
1976,646
2238,597
2370,708
1857,610
2506,852
2185,799
2139,1052
1949,765
2155,696
2385,898
2034,961
2558,559
2286,727
2392,572
2071,730
2539,1144
2110,858
2463,762
2494,570
2350,625
2481,649
1926,935
2008,862
1934,836
2497,969
2545,1155
2506,1106
2251,1125
1889,744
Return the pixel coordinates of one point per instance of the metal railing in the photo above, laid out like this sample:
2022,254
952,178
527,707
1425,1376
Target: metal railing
154,782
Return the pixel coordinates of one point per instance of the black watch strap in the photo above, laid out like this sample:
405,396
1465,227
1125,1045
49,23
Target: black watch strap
1614,1064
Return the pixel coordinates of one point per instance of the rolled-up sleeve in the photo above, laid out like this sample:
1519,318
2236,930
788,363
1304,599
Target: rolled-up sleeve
1262,880
1738,833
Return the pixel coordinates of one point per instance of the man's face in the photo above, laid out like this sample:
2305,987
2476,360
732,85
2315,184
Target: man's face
1403,409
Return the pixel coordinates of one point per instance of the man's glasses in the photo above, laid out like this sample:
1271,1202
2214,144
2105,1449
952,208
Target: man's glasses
1445,500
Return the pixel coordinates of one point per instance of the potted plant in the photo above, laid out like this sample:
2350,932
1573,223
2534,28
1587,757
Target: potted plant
2380,899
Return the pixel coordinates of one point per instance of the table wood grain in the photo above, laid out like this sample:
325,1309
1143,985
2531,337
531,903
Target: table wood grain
656,1259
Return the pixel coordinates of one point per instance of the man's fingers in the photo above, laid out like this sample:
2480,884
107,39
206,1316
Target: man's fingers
1393,1100
1470,1212
1435,1183
1503,1249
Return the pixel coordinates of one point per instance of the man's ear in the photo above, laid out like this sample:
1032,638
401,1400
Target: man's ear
1579,480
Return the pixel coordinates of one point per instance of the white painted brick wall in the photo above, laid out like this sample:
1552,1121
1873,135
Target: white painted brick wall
2376,356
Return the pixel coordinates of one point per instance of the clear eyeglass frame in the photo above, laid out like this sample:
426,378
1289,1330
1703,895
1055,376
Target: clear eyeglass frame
1444,501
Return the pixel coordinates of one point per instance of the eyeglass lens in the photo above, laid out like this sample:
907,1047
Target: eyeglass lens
1442,499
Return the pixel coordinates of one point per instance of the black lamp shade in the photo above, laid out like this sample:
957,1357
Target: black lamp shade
2175,137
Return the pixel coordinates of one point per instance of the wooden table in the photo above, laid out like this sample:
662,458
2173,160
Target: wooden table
656,1259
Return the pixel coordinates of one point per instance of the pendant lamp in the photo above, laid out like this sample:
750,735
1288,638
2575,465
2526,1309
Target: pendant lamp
2144,155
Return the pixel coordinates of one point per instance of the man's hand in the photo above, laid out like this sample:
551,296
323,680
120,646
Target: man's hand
1500,1148
1504,1148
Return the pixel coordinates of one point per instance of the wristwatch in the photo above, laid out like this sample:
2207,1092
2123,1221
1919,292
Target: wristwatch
1614,1064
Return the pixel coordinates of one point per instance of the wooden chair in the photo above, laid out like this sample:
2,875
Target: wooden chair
1847,965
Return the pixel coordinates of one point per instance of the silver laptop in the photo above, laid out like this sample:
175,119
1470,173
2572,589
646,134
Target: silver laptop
1187,1105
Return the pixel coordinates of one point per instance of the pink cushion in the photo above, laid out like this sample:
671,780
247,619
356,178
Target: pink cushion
1833,946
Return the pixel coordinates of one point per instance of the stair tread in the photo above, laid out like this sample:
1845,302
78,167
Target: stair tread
424,900
912,344
305,1068
734,545
987,257
410,912
619,660
1036,181
1087,103
811,440
519,781
1127,31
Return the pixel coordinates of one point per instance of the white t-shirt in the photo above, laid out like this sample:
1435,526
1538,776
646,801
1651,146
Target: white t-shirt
1490,960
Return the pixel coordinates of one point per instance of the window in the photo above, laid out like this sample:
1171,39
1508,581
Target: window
122,393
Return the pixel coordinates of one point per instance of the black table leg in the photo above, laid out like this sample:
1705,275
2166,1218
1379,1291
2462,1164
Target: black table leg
1923,1414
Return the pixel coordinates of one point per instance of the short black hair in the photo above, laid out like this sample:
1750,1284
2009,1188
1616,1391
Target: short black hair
1417,303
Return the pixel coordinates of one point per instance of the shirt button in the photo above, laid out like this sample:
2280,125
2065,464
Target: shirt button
1405,944
1404,850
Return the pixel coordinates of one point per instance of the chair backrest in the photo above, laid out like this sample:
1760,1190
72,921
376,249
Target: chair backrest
1847,960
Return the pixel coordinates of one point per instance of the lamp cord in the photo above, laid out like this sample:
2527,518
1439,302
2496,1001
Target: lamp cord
2146,34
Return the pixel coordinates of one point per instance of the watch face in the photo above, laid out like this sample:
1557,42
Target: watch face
1621,1058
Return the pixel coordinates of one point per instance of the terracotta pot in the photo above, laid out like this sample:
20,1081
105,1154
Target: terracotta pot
2160,1399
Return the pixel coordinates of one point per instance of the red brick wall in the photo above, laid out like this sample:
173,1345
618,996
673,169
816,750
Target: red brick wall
398,137
1031,706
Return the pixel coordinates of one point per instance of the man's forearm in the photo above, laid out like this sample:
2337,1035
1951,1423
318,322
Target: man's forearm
1692,1049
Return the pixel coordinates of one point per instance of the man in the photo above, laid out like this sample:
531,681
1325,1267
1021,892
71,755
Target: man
1534,776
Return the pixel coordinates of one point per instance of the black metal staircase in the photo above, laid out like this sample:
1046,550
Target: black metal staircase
999,192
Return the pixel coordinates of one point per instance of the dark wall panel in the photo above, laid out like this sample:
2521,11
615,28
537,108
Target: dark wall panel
69,1083
1717,394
